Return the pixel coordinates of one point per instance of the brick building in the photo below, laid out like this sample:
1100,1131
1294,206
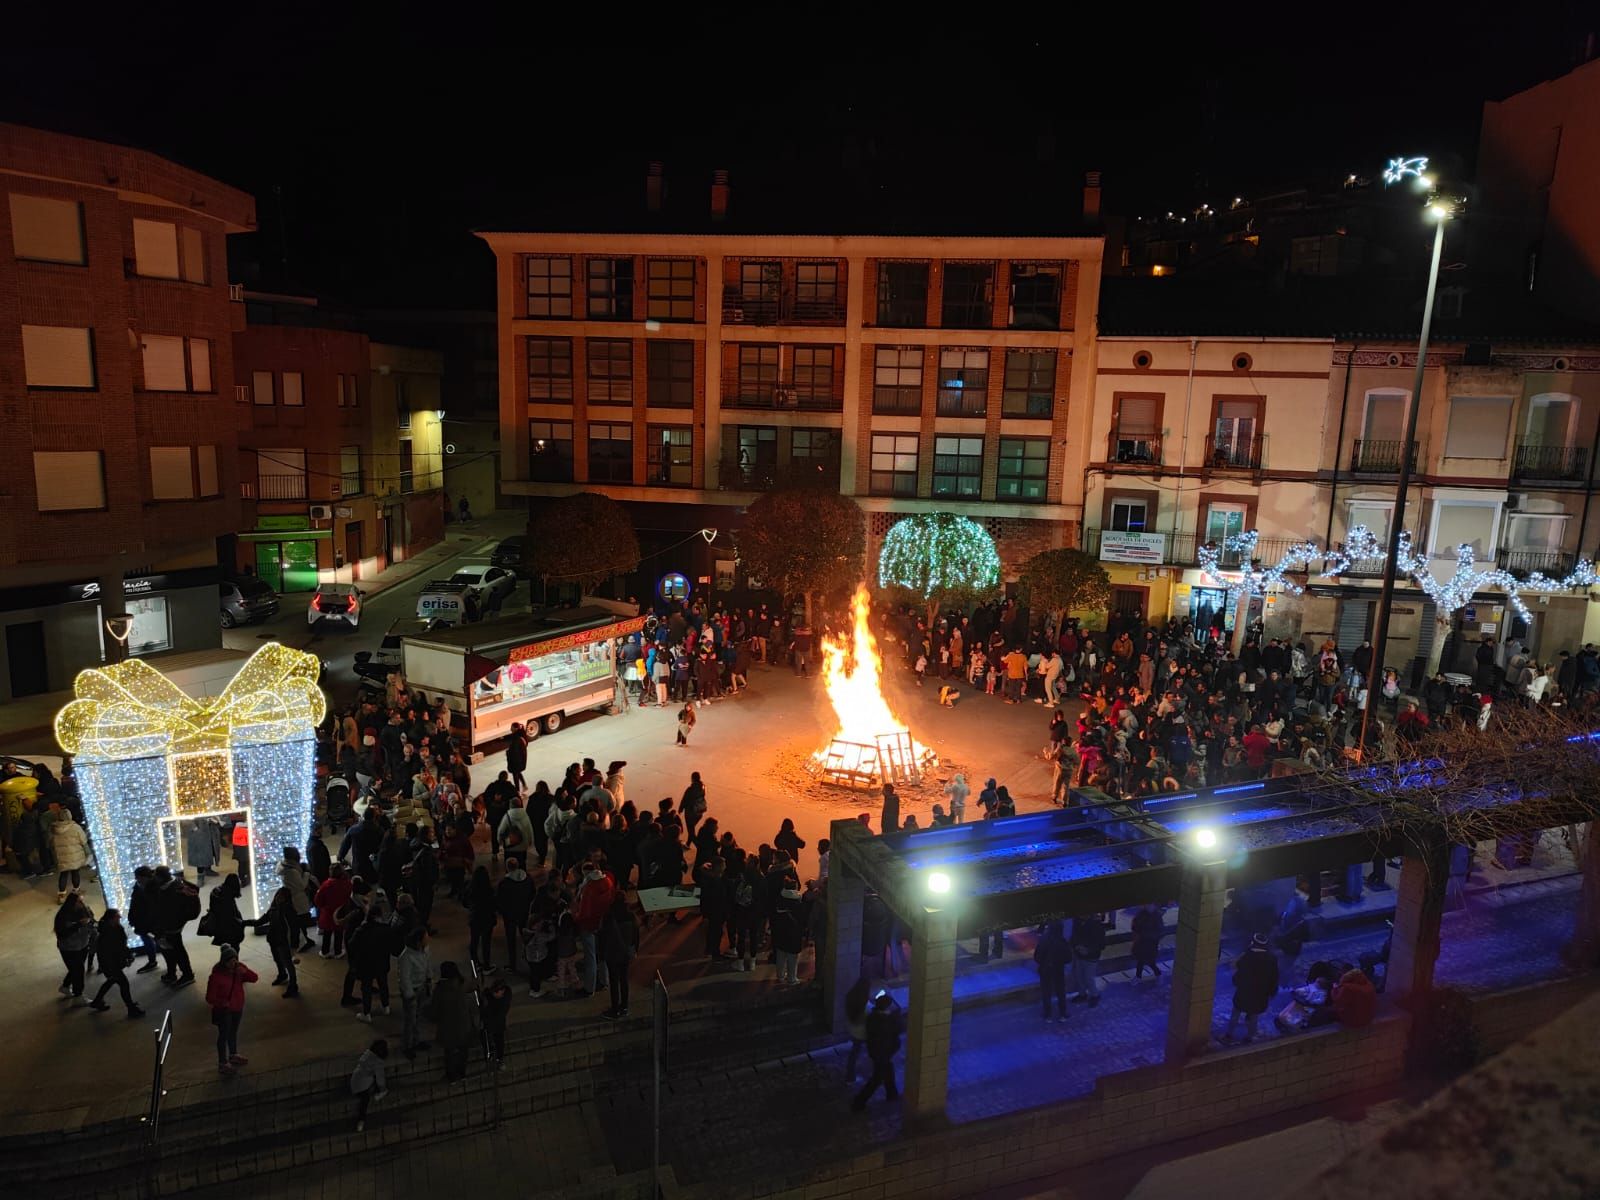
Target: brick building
406,476
117,384
684,374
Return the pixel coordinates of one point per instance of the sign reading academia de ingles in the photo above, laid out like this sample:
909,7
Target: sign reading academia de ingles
569,641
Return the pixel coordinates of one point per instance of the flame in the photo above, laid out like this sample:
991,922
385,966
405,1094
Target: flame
852,672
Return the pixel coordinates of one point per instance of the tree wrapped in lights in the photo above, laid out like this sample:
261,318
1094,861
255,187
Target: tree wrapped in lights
149,756
1255,579
939,560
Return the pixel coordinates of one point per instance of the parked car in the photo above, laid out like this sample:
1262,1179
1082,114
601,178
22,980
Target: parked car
508,556
245,601
335,602
489,581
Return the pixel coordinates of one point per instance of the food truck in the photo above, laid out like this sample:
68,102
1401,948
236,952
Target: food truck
538,670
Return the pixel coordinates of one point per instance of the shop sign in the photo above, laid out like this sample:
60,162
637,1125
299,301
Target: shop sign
282,523
1147,548
569,641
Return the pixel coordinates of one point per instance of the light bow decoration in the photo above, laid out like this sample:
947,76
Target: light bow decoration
1255,579
148,756
1467,581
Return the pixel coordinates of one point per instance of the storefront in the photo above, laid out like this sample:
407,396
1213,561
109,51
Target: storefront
285,552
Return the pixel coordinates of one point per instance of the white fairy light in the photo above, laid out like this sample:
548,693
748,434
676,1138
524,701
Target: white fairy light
1255,579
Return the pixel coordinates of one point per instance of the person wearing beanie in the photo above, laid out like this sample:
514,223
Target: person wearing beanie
1255,982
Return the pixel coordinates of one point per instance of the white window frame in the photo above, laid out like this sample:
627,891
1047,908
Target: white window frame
1350,521
1404,396
1554,523
1450,426
1491,542
1129,503
1571,401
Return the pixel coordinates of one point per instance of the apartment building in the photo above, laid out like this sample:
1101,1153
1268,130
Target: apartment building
406,469
304,404
117,383
687,373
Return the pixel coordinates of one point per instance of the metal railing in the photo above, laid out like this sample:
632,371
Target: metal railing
158,1092
1181,549
736,476
1134,449
740,307
281,487
1537,461
1235,454
1525,562
897,401
785,394
491,1061
1381,457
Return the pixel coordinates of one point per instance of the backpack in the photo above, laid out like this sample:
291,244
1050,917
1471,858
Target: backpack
188,900
744,895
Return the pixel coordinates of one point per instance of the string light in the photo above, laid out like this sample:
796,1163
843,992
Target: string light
1255,579
931,552
148,755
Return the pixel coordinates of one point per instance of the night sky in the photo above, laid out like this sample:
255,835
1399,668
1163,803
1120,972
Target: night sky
374,148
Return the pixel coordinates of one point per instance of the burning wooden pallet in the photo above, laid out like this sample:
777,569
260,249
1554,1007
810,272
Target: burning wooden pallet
888,758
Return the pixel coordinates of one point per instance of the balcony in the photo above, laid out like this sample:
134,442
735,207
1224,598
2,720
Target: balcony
785,394
1553,464
769,308
734,476
1522,562
1379,458
1235,454
281,487
1134,449
1182,550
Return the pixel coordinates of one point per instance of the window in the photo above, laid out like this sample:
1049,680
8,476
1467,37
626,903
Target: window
47,230
1128,516
1233,438
758,447
670,456
1374,516
550,369
171,473
176,364
1478,426
261,386
813,376
670,289
814,450
294,389
69,480
897,379
58,356
347,391
1385,417
206,471
957,466
1024,469
281,474
1535,532
610,371
903,294
151,629
611,289
894,465
669,367
349,470
1463,524
968,295
1030,383
549,287
963,383
1224,521
610,452
550,451
402,402
759,281
162,250
407,466
816,290
758,374
1134,435
1550,419
1035,296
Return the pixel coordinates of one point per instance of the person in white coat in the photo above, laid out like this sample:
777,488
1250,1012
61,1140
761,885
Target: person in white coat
70,845
958,791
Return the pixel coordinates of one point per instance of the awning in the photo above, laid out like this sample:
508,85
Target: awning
285,535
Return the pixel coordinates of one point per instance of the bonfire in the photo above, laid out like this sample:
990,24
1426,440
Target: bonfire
871,744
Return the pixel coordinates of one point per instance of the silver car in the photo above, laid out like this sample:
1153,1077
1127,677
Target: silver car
245,601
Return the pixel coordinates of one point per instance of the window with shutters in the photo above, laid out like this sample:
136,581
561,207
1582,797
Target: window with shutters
1136,435
897,379
669,289
58,356
281,473
1478,427
44,229
1030,383
963,383
1234,433
163,250
175,364
757,380
549,287
261,387
610,370
958,467
610,452
894,465
69,480
349,470
1460,523
171,473
294,389
1024,469
610,289
550,370
813,376
205,464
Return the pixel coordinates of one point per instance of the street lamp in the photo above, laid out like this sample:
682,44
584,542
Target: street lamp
1440,208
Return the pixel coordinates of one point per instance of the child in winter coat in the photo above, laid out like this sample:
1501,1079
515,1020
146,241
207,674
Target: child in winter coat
368,1082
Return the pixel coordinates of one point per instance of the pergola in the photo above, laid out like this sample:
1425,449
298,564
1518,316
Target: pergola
1097,855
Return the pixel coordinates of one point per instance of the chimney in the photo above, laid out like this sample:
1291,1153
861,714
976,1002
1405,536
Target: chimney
655,187
719,195
1091,198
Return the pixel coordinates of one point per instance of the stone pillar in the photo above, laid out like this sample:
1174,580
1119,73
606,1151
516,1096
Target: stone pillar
933,977
1201,897
113,602
1418,905
841,965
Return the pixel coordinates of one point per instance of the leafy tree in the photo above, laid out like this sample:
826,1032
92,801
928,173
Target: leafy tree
1059,581
939,560
804,542
584,538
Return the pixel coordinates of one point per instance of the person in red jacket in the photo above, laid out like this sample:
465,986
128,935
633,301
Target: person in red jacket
1355,1000
332,896
1257,745
595,894
225,995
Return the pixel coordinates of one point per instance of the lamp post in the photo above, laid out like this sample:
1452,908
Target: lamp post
1440,210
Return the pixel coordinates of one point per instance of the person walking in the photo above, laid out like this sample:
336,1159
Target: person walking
225,997
111,943
1255,982
883,1042
1051,956
855,1021
455,1017
223,922
369,1081
176,903
619,942
70,845
283,932
686,721
141,915
693,806
416,984
517,755
74,929
1088,944
1148,929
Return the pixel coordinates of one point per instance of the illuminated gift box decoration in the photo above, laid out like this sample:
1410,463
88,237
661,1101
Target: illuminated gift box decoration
148,756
